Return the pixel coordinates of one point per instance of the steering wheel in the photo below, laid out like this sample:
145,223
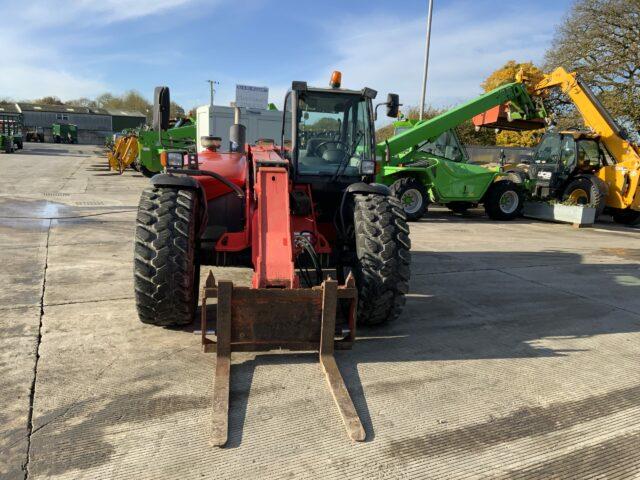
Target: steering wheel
317,150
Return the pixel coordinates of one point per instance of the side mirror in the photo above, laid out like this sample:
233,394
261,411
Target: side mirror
161,105
393,105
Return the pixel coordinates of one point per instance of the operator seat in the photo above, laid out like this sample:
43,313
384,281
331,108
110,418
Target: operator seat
584,162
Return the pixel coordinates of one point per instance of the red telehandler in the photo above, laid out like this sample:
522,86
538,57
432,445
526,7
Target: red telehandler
328,247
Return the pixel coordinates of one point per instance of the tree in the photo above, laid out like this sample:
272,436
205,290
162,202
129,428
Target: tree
134,101
81,102
599,39
469,136
48,100
105,99
176,110
325,123
507,74
131,101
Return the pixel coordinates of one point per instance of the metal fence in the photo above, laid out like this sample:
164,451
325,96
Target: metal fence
484,155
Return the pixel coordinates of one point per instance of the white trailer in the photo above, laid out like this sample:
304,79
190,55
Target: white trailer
260,124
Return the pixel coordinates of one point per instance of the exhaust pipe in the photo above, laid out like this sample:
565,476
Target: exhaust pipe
237,133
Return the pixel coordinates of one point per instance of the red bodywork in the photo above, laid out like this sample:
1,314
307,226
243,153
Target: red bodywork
275,312
498,117
268,232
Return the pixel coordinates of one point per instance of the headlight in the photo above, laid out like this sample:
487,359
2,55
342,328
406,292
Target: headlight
367,167
175,160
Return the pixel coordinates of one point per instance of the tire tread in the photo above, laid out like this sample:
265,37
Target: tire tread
383,250
164,249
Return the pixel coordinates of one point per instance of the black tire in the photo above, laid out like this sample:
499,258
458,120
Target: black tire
503,200
409,185
166,273
626,216
459,207
20,145
382,266
593,188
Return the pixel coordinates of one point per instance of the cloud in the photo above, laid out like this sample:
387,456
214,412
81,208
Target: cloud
386,52
41,49
50,13
25,82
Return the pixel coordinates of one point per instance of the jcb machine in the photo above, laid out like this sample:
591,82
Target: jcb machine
424,162
328,247
598,165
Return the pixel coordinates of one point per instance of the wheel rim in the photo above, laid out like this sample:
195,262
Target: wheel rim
411,200
509,201
579,196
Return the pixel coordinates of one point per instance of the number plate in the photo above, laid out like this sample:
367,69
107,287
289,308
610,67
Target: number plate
544,175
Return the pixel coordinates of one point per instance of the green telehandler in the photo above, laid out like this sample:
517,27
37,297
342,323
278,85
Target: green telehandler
151,144
424,161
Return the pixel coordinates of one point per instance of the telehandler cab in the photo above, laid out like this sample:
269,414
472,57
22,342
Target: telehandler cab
565,166
328,247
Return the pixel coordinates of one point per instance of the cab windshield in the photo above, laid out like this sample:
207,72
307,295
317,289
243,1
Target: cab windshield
445,146
334,133
550,147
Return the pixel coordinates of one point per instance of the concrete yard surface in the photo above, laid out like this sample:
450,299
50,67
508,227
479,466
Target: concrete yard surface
517,356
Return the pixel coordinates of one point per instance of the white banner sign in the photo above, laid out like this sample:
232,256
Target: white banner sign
248,96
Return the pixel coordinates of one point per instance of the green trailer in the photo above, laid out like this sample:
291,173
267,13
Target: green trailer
64,133
424,161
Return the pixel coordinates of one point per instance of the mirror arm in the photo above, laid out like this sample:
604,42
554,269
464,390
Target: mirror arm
375,110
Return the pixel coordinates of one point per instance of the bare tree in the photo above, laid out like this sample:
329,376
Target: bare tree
176,111
81,102
49,100
600,40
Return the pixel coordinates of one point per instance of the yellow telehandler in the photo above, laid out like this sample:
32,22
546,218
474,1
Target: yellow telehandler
598,165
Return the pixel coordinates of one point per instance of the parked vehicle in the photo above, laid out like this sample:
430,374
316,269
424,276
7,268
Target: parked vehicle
425,162
320,235
64,133
598,165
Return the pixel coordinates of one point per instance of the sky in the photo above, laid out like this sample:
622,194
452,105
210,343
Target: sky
83,48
